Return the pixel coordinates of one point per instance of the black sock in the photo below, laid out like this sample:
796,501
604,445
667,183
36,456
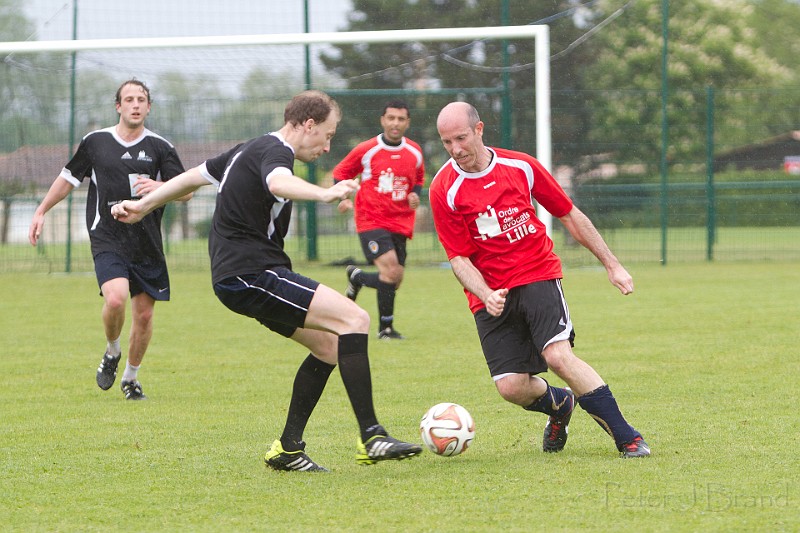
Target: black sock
602,406
555,402
354,368
386,293
309,382
367,279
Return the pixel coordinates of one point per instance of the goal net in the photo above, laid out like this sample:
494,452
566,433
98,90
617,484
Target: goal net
211,92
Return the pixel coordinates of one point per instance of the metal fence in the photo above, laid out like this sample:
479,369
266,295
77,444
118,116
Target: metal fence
734,193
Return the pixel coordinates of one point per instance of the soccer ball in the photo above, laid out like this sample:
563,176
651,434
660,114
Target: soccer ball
447,429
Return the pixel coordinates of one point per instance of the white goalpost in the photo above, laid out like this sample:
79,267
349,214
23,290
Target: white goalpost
540,34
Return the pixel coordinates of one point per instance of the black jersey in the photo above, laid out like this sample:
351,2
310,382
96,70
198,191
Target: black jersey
249,222
113,165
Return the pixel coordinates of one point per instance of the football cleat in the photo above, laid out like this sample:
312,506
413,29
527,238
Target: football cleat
382,448
279,459
352,285
107,371
556,429
635,448
390,333
132,390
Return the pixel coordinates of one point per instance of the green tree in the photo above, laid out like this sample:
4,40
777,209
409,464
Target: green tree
183,106
29,99
397,67
710,44
259,108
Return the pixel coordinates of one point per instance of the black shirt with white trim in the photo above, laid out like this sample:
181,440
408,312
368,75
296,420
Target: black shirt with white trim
249,223
112,165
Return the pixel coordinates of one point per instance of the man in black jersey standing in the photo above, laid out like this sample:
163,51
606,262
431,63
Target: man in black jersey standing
122,162
252,275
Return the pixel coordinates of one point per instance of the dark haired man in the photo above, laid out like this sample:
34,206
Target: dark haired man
391,171
121,162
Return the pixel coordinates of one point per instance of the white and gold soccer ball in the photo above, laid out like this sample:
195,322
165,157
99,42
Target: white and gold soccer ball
447,429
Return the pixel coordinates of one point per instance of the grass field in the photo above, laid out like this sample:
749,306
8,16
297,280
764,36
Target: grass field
702,358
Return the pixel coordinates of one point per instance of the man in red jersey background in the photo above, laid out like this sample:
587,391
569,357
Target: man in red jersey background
392,171
482,201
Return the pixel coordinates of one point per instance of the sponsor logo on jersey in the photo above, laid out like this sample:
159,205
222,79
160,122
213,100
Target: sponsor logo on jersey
126,155
512,222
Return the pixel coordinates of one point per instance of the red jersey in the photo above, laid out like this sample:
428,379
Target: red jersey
388,174
489,217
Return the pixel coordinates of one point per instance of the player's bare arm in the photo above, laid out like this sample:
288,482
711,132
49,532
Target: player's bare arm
57,192
582,229
130,211
472,280
145,186
294,188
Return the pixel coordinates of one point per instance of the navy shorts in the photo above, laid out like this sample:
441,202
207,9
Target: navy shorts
377,242
277,297
151,278
535,315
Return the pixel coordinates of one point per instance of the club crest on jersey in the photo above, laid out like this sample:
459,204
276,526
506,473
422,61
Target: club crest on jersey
373,247
144,157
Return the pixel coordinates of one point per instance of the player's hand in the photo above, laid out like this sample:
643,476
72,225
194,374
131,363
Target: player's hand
620,278
345,205
496,302
144,186
341,190
36,229
413,200
127,211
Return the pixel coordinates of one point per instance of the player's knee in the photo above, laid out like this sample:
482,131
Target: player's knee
560,359
356,319
510,390
392,274
115,302
144,316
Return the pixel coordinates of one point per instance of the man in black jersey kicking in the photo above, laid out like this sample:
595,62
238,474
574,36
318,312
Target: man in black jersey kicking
252,275
122,162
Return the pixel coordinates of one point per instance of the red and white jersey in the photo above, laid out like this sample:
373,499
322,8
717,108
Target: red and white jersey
489,217
388,174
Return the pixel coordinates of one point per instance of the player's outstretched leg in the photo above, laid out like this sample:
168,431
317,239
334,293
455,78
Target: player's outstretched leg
279,459
382,447
602,405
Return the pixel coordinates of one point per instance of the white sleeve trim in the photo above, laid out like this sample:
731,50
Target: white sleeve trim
204,172
67,175
278,171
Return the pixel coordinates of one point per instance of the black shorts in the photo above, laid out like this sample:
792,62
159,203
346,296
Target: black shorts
277,297
377,242
151,278
535,315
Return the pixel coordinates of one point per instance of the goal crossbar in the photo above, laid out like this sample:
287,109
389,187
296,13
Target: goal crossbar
540,34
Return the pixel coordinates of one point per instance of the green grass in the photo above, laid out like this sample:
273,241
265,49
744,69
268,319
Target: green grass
702,358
